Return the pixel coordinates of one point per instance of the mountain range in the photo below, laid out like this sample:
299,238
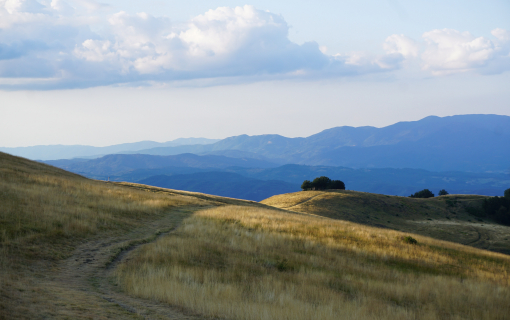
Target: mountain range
466,154
55,152
473,143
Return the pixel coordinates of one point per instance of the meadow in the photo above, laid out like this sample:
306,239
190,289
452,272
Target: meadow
238,262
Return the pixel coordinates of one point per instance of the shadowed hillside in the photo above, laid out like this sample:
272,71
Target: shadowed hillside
442,217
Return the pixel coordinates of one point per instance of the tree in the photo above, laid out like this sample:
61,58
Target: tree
337,184
425,193
507,193
442,192
321,183
307,185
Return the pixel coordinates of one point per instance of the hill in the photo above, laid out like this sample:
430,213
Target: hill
402,182
444,217
118,164
477,143
74,248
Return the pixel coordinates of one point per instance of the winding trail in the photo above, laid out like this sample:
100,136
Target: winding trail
82,285
304,201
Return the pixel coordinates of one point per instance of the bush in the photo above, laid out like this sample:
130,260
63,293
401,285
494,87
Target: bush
507,193
409,240
425,193
442,192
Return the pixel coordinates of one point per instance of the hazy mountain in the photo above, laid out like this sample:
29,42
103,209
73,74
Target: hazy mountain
224,184
54,152
117,164
476,143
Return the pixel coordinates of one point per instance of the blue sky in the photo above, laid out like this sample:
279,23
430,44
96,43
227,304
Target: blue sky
100,73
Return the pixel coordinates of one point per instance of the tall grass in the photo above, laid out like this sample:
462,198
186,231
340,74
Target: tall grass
252,263
46,212
41,205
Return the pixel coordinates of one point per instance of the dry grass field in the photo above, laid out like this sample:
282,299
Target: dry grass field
46,214
74,248
444,217
238,262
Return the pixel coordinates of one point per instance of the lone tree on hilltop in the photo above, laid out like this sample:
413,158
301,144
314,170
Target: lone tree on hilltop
442,192
322,183
425,193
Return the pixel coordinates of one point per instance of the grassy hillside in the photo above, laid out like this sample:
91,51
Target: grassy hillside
74,248
444,217
46,214
253,263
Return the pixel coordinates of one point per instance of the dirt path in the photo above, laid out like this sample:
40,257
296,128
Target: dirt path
81,286
304,201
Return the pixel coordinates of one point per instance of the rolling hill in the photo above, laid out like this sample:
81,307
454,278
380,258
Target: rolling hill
117,164
75,248
444,217
402,182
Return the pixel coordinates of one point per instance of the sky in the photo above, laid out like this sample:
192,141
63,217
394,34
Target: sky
107,72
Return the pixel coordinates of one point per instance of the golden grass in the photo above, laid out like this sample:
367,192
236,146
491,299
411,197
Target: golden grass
46,212
442,218
252,263
41,204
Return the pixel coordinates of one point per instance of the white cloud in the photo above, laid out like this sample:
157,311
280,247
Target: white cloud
450,51
75,44
401,44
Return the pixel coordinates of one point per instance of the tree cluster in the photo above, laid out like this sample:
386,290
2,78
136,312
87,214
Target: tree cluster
425,193
322,183
498,208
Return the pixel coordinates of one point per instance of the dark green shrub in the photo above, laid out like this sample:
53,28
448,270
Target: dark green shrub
507,193
425,193
409,240
442,192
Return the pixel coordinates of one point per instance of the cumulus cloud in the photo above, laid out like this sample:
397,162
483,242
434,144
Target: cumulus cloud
73,43
448,51
400,44
55,41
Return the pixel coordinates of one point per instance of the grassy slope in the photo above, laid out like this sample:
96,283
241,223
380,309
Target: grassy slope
46,213
256,263
443,217
247,261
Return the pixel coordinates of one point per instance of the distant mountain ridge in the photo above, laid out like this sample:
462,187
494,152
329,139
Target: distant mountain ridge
56,152
471,143
247,178
477,143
